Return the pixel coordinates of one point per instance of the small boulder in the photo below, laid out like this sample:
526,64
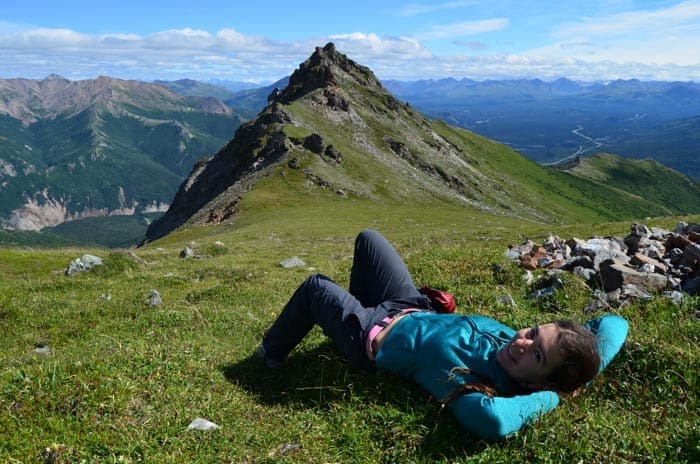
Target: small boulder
332,153
83,264
186,252
585,273
202,424
692,286
507,300
292,262
675,296
615,274
154,299
635,292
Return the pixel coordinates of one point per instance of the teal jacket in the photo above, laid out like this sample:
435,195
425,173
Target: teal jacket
425,347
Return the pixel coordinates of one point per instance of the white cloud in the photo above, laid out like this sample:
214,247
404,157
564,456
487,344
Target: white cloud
528,67
654,44
373,46
465,28
37,52
634,22
42,38
229,54
233,38
669,36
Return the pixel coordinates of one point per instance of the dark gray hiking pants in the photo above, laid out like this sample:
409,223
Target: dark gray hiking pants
380,286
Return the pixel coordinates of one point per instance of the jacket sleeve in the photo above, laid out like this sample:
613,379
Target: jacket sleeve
611,331
493,418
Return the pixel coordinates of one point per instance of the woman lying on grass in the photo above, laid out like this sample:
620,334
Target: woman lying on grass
494,379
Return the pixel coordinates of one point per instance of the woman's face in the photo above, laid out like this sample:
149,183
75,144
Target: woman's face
531,355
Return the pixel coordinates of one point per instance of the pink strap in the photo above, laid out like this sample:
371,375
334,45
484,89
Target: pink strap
374,331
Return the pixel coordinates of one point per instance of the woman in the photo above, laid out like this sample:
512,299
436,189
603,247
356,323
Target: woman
494,379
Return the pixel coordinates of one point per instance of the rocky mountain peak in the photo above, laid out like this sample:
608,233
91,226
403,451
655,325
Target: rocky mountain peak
55,77
290,138
325,68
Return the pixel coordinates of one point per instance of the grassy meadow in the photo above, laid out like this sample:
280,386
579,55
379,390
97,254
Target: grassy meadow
89,372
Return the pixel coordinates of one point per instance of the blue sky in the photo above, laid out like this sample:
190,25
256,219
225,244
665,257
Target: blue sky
264,41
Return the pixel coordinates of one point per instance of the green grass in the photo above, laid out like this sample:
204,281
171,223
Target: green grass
646,178
11,238
124,379
106,231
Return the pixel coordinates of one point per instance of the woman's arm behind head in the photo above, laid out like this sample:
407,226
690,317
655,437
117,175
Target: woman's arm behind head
496,417
611,332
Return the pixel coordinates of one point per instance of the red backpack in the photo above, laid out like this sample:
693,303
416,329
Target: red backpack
440,300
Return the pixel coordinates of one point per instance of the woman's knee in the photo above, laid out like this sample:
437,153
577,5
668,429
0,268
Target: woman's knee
316,280
368,236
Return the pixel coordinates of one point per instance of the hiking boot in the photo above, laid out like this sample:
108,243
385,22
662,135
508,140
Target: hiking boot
269,361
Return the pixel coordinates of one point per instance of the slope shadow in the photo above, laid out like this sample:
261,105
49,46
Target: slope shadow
321,377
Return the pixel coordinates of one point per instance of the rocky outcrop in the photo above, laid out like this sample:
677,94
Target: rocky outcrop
44,211
83,264
335,128
336,91
318,72
255,146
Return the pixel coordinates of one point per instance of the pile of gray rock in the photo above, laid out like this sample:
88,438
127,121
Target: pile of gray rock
647,261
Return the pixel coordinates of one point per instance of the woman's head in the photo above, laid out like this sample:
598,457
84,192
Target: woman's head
559,356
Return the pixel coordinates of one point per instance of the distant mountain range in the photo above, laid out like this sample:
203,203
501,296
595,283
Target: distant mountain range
248,101
549,121
73,149
76,149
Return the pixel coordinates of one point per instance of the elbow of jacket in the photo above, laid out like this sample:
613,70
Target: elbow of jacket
492,427
496,418
497,433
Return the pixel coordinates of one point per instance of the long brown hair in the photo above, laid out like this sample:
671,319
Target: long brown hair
580,358
580,363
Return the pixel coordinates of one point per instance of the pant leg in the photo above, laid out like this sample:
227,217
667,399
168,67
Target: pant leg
378,272
321,301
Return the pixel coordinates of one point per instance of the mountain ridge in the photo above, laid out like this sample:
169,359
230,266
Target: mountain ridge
645,177
549,121
76,149
31,100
